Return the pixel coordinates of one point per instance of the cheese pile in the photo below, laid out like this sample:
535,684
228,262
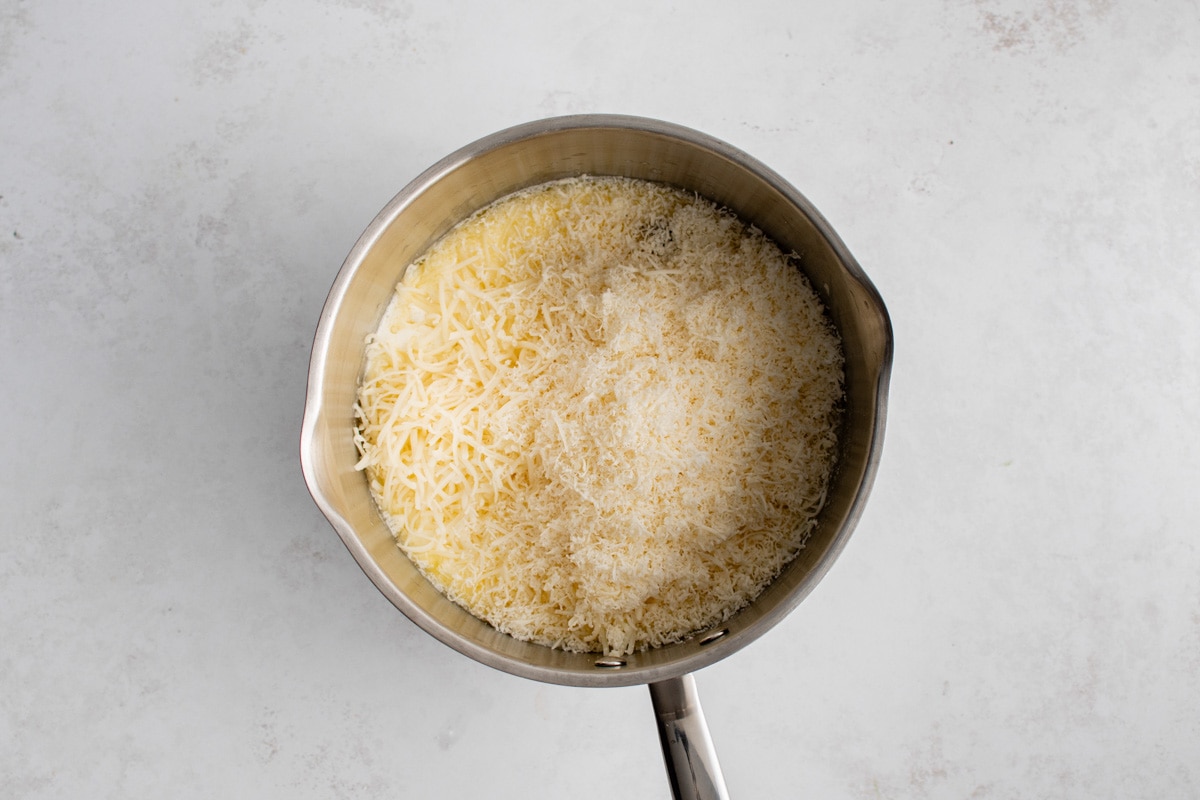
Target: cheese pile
601,414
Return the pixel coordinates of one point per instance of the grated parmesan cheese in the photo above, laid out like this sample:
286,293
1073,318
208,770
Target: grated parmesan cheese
601,414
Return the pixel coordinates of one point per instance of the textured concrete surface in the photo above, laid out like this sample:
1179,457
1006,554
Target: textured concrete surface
1018,614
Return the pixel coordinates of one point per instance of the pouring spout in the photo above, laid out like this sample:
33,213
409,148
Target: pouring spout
688,751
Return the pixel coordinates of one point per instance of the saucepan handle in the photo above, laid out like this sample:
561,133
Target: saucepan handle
687,747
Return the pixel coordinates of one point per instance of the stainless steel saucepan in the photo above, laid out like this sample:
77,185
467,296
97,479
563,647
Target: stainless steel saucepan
473,177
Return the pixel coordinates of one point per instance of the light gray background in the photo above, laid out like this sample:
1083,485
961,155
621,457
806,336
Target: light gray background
1018,614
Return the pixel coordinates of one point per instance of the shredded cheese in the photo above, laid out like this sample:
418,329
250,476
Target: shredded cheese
601,414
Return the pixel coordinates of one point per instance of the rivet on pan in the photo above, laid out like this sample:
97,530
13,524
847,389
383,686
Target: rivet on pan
610,663
712,636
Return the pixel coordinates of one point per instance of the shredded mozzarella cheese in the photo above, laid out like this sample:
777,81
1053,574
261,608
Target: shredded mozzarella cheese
601,414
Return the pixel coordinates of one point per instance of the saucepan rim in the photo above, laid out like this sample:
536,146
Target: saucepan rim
586,669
